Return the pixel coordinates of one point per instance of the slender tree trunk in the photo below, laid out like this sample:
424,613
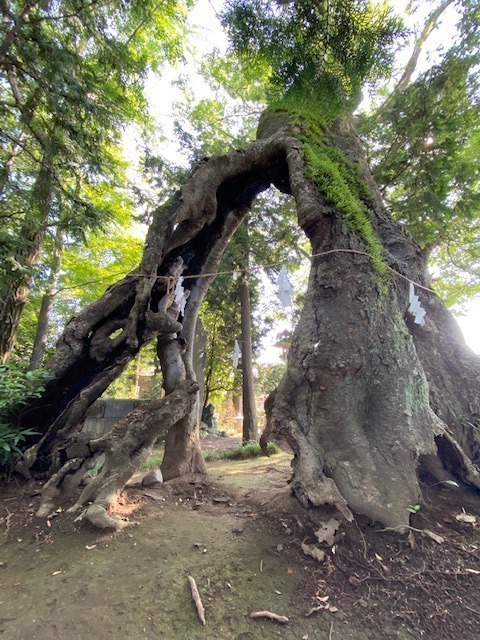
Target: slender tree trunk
13,295
41,334
199,359
237,405
209,365
250,424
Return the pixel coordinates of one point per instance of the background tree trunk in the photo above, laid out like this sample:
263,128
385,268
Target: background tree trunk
250,425
41,334
14,293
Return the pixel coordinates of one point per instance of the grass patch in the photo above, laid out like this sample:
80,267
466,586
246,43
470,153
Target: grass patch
153,462
242,452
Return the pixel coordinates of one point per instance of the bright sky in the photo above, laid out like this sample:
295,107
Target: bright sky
209,35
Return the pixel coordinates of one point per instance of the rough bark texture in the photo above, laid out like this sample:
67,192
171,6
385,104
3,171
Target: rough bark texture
250,424
92,352
13,296
125,448
368,398
354,403
41,334
14,293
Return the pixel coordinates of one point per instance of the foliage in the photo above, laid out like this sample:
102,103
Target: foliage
16,387
268,377
72,77
225,119
338,180
319,55
425,150
313,49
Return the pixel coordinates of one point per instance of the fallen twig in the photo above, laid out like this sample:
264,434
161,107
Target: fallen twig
197,600
269,616
425,532
7,519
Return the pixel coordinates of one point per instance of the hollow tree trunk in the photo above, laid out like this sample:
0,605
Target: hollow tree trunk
355,404
97,345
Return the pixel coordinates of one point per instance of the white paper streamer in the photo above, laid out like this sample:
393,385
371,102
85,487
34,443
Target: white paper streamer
179,290
236,354
415,307
181,296
285,289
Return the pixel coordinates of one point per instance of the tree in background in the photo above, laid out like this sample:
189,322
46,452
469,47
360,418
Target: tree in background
72,77
425,153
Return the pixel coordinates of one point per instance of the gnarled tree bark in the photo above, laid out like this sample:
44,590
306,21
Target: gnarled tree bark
125,448
368,398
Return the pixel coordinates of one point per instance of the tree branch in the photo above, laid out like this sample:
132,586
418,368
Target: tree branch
430,24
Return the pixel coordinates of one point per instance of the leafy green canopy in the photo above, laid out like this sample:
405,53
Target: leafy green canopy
425,149
71,75
426,153
320,53
319,56
228,117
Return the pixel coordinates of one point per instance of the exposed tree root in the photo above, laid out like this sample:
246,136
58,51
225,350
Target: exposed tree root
125,448
362,403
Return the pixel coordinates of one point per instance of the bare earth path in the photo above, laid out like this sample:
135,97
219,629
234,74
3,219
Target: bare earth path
239,535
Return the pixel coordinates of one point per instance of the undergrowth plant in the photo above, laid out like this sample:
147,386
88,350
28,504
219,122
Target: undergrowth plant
16,387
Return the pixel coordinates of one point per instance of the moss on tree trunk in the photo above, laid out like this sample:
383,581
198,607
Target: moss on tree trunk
368,397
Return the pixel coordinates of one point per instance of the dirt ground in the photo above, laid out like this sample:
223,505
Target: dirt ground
239,535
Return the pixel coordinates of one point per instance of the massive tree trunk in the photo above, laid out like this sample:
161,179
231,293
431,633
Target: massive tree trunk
354,403
368,397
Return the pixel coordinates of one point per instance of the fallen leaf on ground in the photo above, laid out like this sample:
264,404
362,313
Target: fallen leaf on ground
312,551
465,517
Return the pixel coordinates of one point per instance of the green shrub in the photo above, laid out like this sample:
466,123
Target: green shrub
16,387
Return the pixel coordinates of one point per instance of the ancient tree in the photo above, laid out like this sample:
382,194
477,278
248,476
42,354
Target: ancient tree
369,398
